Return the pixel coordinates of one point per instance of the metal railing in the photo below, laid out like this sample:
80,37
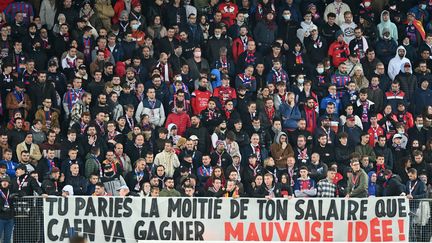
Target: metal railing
29,220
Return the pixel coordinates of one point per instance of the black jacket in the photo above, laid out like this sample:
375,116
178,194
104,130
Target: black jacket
393,186
132,182
27,186
52,187
78,183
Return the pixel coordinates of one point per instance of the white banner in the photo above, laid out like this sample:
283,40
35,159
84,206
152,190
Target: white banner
132,219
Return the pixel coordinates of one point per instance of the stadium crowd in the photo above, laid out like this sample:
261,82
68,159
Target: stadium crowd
261,98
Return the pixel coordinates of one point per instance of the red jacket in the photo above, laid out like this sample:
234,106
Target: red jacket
229,12
238,47
372,138
339,52
224,94
182,121
118,8
200,100
311,119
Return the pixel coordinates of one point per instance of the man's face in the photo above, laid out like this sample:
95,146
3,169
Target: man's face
303,173
401,53
330,109
206,160
268,180
348,18
169,184
168,147
74,169
412,176
382,141
301,142
323,140
418,159
358,33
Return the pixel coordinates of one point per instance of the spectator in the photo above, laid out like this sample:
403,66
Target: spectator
305,186
358,181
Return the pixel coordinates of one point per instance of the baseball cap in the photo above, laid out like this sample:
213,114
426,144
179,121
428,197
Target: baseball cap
193,137
397,135
5,178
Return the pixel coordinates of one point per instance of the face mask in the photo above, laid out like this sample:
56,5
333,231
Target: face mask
393,7
300,80
420,126
423,6
367,4
287,17
218,36
135,26
401,132
320,70
386,37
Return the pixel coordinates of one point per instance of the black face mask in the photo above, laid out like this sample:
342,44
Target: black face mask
109,174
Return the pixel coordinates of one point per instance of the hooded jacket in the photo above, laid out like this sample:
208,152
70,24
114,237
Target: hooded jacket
395,63
280,155
389,25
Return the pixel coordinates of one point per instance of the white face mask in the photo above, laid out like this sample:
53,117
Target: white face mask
367,4
287,17
135,26
218,36
320,70
393,7
300,81
419,126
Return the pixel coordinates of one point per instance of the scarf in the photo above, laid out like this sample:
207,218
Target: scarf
298,58
365,105
19,96
254,169
270,113
250,57
257,151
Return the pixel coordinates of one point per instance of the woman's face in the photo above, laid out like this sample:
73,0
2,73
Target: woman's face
284,179
358,72
203,20
349,110
157,20
387,109
291,98
258,181
429,110
218,172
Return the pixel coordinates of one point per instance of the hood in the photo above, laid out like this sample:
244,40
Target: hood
402,69
278,136
370,174
217,74
382,20
397,50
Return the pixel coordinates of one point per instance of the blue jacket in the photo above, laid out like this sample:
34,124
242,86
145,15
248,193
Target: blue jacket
421,99
290,115
10,168
328,99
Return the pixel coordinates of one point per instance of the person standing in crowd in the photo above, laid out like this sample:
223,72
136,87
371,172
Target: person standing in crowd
358,181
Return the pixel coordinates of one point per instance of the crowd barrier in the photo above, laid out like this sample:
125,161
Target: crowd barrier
135,219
